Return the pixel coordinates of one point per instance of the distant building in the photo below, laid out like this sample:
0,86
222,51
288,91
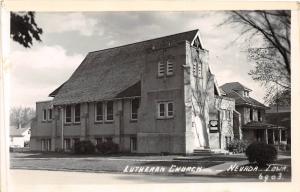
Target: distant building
19,136
152,96
281,115
253,116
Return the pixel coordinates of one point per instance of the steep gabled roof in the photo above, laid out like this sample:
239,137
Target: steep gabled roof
236,86
106,73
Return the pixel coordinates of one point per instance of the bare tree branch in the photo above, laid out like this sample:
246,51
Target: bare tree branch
273,26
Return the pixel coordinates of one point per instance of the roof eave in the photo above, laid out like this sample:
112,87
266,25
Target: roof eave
251,105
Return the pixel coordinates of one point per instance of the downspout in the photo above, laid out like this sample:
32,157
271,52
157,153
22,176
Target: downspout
62,128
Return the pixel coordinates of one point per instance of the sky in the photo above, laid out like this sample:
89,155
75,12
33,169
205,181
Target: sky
68,37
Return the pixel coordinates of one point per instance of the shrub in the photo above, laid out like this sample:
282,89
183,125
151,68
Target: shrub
237,146
107,147
261,153
84,147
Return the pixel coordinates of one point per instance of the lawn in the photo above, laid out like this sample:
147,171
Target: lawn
96,163
117,163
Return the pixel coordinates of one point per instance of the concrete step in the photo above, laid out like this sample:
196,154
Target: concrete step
203,152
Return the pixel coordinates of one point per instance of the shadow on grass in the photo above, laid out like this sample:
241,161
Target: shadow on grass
73,155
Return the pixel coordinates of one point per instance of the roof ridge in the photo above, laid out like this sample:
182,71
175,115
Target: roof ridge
236,83
239,95
143,41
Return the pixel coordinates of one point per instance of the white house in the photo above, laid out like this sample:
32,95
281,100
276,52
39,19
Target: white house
18,137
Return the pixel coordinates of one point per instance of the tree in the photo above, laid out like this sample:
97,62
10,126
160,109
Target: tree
21,116
23,28
199,102
203,102
272,54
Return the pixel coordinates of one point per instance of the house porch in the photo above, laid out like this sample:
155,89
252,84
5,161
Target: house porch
263,132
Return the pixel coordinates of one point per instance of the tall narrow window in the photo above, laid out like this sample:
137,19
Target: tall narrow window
75,141
134,108
99,112
67,144
251,114
110,111
259,115
170,110
44,114
161,110
199,70
133,144
77,113
68,114
195,68
161,69
169,67
49,114
49,145
46,144
43,144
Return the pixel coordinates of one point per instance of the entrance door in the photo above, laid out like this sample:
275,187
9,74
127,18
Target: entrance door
133,144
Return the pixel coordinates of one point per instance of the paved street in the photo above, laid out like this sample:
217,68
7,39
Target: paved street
32,177
36,180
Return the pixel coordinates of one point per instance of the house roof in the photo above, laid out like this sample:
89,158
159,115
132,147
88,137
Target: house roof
231,91
17,132
261,125
106,73
236,86
242,101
